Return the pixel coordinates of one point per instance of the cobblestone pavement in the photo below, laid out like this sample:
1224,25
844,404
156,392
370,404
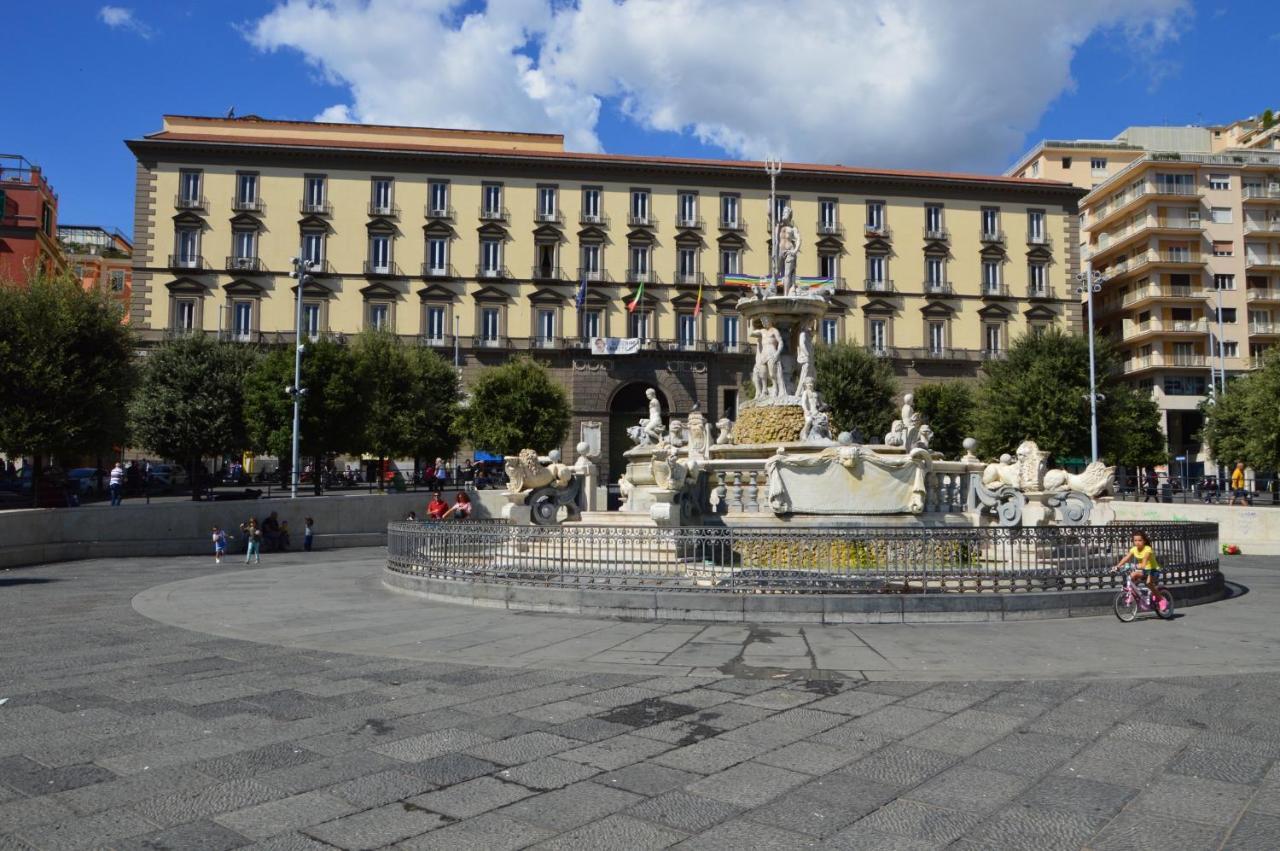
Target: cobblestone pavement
123,732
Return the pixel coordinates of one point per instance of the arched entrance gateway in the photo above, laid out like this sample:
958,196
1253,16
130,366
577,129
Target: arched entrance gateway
626,408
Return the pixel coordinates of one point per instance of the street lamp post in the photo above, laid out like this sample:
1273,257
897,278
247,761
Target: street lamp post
302,270
1090,283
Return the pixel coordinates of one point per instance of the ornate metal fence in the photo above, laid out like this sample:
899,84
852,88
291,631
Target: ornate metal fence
883,559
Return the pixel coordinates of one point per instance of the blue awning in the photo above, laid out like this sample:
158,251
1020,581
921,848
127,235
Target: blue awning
478,455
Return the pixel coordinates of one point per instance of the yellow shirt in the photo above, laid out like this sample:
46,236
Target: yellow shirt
1145,556
1237,479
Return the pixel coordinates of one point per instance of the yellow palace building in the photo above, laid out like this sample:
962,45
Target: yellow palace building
484,244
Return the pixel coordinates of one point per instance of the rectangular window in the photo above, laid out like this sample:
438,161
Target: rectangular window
687,264
246,189
937,337
489,324
547,208
1228,315
878,335
829,266
1098,166
1230,349
590,324
490,257
780,203
591,205
189,248
730,407
729,261
1036,278
1223,248
116,280
311,319
1035,226
991,223
686,330
184,318
875,270
991,276
546,326
242,319
315,194
875,216
639,262
827,220
991,337
640,206
1066,162
313,247
729,332
830,331
1224,282
933,220
729,211
379,316
639,324
1220,215
492,201
435,323
437,256
381,196
591,260
380,254
1175,184
190,187
1219,181
933,270
688,209
438,198
243,247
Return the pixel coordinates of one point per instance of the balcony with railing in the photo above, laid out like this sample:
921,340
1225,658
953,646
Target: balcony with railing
689,222
244,264
938,234
190,262
381,269
1268,261
439,272
548,217
1262,228
495,214
688,279
1039,291
1165,326
1040,239
1153,292
1262,294
390,211
736,225
880,231
484,341
877,286
440,214
315,208
1262,193
492,273
637,220
641,276
991,236
990,290
543,272
1158,360
248,205
1264,329
937,288
600,220
830,229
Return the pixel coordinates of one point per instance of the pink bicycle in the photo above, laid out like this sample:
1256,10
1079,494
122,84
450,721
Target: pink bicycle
1134,598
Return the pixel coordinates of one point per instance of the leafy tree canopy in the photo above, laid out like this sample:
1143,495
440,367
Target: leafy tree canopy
1244,422
386,378
859,387
331,415
433,405
949,410
65,368
515,406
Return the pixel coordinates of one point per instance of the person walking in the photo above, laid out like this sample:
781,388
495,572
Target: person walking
219,544
308,532
253,541
1238,490
116,483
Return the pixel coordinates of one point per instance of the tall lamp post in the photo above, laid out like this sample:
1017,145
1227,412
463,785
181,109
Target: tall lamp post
1090,283
302,269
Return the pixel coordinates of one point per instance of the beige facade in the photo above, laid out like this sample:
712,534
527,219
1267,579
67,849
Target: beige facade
478,242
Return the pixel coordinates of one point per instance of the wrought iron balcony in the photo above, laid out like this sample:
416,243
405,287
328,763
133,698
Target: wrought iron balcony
386,210
186,261
641,221
880,231
547,273
315,208
937,288
594,276
689,222
495,214
994,237
640,276
688,278
1040,238
248,205
430,270
736,225
554,217
938,234
597,219
244,264
374,269
183,202
877,286
995,291
830,229
492,273
444,214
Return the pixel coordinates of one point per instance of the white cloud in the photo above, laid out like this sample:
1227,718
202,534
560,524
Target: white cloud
120,18
917,83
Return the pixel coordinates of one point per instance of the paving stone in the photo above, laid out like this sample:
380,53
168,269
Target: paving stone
1265,800
1217,765
615,831
898,722
472,797
859,838
1207,801
747,836
646,778
943,699
193,836
1156,734
851,737
778,699
250,763
588,729
571,807
326,771
808,816
1119,761
25,812
268,819
450,768
730,716
748,785
684,811
1029,754
709,756
524,748
1137,832
558,713
616,752
94,831
1254,833
502,726
382,787
377,827
428,745
192,804
809,757
917,820
134,788
969,788
1077,795
32,778
900,765
1031,827
489,832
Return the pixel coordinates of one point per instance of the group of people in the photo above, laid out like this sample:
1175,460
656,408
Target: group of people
272,534
438,509
1208,486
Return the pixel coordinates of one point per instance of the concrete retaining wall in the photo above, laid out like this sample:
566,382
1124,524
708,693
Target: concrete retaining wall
37,536
1255,530
782,608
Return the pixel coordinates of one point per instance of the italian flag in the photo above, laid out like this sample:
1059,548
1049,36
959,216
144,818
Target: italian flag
635,300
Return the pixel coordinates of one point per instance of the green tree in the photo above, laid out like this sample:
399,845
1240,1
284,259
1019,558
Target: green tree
190,401
65,371
1268,119
1041,391
331,416
433,400
1244,422
949,410
515,406
859,387
386,381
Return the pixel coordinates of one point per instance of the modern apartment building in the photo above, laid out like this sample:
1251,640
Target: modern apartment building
1183,224
28,221
479,244
99,258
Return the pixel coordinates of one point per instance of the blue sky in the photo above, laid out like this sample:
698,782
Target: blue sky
79,87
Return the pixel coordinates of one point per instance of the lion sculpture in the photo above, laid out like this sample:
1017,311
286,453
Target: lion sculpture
1096,480
525,473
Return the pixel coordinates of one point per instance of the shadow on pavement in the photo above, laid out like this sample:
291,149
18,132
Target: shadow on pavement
5,582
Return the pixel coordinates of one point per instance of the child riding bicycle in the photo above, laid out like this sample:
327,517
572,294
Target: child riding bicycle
1146,568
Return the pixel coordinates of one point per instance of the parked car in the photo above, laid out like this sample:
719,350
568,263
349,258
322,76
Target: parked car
168,475
84,480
